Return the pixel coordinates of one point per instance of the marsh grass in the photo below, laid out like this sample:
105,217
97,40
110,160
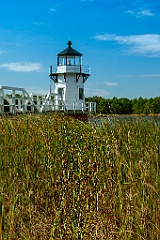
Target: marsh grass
65,179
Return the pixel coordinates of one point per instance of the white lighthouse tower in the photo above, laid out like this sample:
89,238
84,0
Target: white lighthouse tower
69,76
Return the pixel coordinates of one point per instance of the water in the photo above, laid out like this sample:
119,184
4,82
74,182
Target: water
113,119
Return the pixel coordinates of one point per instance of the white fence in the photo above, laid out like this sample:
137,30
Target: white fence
16,100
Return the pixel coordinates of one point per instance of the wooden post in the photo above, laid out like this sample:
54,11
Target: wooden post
1,101
13,102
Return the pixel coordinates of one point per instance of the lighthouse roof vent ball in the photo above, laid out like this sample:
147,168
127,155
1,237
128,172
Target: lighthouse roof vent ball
69,51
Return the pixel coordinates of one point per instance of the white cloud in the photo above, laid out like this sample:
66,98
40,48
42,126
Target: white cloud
111,83
22,67
146,44
151,75
145,13
130,12
141,14
90,92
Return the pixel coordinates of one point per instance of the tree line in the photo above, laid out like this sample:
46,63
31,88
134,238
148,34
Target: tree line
126,106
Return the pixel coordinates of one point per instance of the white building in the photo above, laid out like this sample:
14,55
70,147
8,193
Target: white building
69,76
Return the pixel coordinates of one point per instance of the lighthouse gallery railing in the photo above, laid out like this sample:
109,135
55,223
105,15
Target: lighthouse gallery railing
71,69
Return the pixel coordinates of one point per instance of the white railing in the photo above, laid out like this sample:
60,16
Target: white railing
15,100
71,69
91,107
12,103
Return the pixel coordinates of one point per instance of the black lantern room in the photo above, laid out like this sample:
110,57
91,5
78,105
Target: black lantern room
69,56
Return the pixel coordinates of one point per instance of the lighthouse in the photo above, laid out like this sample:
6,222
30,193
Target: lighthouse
69,76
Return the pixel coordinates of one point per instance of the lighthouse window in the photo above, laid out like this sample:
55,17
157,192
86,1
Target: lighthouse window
81,93
73,60
60,91
62,61
77,61
70,61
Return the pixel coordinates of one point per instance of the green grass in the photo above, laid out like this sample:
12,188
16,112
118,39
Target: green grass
65,179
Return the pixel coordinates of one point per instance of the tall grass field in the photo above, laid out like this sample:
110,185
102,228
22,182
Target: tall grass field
65,179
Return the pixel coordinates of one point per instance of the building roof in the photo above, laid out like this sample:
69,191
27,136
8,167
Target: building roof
69,51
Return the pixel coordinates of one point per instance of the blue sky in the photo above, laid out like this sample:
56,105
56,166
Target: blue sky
119,40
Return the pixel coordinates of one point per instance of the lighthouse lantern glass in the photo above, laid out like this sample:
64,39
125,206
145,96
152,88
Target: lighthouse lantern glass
69,60
61,61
